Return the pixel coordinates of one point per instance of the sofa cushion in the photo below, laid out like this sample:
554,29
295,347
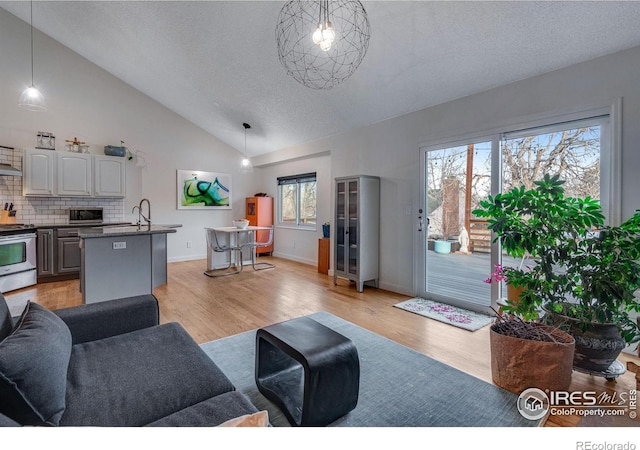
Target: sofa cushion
6,323
209,413
136,378
33,368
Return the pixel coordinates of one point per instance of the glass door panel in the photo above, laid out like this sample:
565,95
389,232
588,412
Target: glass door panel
457,246
572,150
341,218
353,227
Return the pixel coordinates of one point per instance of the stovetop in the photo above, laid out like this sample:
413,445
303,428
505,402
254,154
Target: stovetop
16,228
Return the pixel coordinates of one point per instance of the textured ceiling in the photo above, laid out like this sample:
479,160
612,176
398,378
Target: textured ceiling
216,64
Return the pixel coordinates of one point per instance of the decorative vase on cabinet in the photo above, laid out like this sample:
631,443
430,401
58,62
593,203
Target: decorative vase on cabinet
357,220
260,214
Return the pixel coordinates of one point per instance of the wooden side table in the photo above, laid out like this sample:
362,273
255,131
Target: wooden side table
323,255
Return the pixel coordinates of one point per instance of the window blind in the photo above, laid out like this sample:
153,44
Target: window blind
294,179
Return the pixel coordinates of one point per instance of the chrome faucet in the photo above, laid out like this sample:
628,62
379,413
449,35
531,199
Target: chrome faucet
133,210
146,218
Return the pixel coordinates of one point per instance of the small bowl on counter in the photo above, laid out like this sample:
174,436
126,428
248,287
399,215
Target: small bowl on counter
241,223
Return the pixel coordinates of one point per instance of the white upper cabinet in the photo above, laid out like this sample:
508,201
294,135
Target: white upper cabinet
74,174
49,173
109,176
38,172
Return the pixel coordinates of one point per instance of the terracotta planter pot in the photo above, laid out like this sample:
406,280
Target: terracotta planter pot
514,293
518,364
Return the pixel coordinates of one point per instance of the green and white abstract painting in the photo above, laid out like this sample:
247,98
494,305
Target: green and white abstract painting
203,190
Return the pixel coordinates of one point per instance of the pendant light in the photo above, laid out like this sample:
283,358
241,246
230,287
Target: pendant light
246,165
322,42
31,98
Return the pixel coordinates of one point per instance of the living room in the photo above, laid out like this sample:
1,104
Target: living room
88,102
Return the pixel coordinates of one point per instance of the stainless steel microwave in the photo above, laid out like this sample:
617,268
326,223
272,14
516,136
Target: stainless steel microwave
81,215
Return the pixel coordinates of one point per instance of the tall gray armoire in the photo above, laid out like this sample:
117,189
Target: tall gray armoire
357,230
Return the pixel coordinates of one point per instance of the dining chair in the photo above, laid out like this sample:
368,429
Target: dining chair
217,247
260,241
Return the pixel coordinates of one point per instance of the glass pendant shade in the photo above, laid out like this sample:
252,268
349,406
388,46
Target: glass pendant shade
32,100
246,165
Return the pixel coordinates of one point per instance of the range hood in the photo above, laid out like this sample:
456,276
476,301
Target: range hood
6,169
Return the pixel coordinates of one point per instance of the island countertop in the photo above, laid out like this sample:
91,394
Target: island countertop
124,230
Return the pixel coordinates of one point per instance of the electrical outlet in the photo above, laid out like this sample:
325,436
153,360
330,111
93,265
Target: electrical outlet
119,245
293,244
188,244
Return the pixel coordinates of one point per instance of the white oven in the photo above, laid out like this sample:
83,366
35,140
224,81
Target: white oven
17,261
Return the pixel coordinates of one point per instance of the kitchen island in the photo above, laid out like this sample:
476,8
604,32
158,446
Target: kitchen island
122,261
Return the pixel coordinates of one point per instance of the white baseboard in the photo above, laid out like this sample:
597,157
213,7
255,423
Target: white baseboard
186,258
310,262
396,288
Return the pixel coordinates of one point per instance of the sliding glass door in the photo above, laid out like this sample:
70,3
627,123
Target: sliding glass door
457,252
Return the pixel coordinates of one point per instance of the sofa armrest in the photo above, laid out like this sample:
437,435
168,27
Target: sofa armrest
95,321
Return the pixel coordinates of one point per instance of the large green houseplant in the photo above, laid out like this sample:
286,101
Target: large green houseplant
584,272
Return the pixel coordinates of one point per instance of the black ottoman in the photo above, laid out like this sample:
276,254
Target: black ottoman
311,372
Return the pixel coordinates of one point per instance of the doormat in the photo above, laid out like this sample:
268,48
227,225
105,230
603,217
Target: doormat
461,318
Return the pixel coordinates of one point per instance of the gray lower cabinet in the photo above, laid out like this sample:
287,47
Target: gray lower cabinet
45,252
68,246
58,251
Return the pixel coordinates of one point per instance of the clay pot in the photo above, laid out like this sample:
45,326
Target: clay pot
518,364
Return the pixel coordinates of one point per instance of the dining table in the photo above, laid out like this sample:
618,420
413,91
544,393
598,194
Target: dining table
235,243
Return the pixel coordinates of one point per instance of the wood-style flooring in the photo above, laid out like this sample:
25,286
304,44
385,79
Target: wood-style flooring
212,308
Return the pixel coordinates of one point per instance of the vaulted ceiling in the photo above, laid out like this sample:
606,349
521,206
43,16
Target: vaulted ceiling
216,63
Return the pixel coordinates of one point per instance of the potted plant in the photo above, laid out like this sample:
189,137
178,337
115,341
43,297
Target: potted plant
524,352
585,273
326,229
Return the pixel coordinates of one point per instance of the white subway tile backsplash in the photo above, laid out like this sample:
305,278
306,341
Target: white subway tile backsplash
41,210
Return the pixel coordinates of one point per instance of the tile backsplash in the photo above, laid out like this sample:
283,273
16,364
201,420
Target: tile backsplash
47,210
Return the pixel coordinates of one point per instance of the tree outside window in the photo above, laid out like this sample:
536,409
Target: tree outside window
297,200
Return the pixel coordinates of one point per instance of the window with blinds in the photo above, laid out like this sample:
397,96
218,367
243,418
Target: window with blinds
297,200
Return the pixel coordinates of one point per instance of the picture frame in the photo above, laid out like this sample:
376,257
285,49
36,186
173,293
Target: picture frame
197,189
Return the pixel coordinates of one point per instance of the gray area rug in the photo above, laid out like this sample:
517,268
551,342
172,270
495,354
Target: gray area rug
399,387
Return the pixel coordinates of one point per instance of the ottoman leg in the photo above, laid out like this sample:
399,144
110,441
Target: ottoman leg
331,390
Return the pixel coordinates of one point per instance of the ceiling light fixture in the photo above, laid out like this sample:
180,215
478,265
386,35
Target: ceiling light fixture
321,43
246,165
31,98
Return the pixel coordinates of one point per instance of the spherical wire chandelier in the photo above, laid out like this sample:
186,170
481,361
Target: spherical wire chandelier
321,43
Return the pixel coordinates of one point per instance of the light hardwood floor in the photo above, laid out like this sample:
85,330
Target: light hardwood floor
211,308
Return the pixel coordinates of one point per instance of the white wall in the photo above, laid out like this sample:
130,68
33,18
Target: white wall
390,149
85,101
296,244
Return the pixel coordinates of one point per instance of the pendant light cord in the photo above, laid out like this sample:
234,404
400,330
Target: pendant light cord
31,5
246,127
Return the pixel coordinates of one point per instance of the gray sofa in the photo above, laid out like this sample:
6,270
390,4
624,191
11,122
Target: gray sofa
108,364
